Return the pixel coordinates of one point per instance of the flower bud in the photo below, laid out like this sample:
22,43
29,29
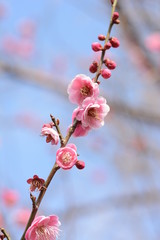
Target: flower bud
110,64
115,16
80,164
114,42
96,46
106,73
107,46
117,21
101,37
93,67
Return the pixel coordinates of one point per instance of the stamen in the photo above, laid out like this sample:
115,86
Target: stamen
85,91
66,158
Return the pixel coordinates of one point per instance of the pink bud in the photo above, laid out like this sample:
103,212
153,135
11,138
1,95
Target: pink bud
101,37
106,73
93,67
107,46
117,21
114,42
110,64
115,16
96,46
80,164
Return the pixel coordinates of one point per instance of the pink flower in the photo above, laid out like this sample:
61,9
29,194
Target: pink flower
35,183
22,216
80,130
66,157
82,87
153,42
43,228
10,197
92,112
51,135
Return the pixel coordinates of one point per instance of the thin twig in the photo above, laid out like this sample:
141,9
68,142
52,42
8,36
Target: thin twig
36,204
58,130
5,234
106,40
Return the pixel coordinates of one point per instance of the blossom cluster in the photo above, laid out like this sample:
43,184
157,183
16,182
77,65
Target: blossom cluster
91,109
89,114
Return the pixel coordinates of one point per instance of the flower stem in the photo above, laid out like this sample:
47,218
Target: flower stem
106,40
37,203
64,141
5,234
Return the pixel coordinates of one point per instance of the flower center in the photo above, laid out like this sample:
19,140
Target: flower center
85,91
36,183
66,158
93,113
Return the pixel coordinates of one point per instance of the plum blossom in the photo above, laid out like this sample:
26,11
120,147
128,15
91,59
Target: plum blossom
21,217
92,112
80,130
153,42
44,228
82,87
51,135
10,197
36,183
66,157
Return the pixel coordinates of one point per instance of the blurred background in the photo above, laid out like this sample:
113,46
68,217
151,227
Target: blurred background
43,45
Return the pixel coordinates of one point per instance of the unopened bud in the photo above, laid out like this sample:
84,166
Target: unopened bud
110,64
96,46
80,164
114,42
93,67
115,16
107,46
101,37
106,73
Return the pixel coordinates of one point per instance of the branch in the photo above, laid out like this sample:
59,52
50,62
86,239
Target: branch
46,80
5,234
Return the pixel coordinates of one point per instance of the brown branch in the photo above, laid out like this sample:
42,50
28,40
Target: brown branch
46,80
5,234
120,201
135,42
36,204
58,130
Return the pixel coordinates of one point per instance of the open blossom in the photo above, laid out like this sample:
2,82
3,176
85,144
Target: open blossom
80,130
43,228
36,183
51,135
66,157
82,87
92,112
